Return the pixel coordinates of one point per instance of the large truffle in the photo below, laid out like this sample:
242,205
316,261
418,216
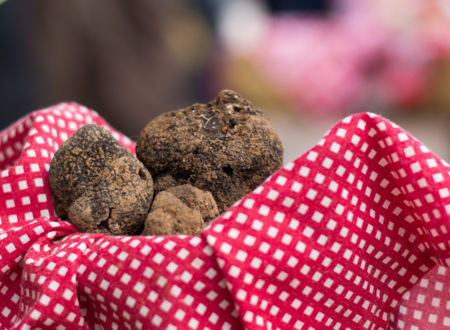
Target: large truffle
227,147
99,185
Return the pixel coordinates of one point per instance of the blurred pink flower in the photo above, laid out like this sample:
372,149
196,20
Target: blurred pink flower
361,53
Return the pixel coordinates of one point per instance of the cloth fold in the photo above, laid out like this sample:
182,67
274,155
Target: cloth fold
354,234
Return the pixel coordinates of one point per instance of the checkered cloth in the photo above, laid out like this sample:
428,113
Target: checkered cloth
353,234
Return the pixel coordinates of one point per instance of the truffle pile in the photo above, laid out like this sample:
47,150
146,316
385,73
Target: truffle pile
196,162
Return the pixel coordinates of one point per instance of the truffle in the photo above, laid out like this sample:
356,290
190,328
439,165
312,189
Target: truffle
170,216
164,182
197,199
99,185
227,147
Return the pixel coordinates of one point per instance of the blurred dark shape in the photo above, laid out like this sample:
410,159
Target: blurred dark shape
128,60
314,6
16,77
209,10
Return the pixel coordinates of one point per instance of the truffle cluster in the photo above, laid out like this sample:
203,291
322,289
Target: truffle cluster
196,162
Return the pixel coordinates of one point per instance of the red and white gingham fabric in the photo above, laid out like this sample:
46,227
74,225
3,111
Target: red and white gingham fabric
354,234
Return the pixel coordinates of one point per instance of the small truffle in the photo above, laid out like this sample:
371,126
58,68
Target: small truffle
170,216
99,185
227,147
197,199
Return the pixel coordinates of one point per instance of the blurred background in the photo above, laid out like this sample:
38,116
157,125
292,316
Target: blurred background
307,63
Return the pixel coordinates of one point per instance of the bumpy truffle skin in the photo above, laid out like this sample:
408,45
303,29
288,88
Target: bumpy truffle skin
164,182
170,216
99,185
197,199
227,147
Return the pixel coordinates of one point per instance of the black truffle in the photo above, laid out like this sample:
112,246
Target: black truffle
99,185
227,147
170,216
197,199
